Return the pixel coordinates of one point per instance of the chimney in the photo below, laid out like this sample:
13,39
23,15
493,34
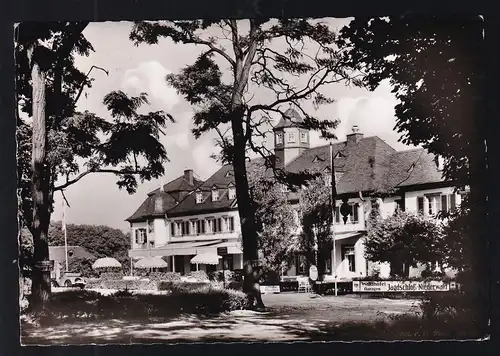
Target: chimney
188,176
355,136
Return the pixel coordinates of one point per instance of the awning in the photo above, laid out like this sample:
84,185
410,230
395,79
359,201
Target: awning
206,258
172,249
346,235
150,262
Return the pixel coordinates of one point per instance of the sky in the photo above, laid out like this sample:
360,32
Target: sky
97,200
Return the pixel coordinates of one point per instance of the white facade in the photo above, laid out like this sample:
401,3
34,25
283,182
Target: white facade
189,238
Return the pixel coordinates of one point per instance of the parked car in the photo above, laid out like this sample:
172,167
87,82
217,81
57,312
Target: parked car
69,279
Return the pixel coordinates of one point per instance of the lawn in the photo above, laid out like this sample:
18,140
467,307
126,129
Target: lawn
288,317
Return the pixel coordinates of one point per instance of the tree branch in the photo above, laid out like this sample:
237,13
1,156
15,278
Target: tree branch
81,175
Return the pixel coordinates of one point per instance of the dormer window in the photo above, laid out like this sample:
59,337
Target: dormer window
291,137
199,197
215,194
279,138
231,192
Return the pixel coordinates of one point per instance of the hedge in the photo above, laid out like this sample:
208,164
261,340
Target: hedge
88,305
99,283
181,287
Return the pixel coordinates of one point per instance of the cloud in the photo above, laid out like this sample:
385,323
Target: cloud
205,166
149,77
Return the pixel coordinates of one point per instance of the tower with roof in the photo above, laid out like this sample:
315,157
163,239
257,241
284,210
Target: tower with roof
290,137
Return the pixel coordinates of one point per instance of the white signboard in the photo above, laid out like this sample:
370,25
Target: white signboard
400,286
269,289
313,272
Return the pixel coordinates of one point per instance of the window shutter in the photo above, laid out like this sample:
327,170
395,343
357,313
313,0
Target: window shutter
337,214
136,236
444,203
420,204
452,201
355,208
172,229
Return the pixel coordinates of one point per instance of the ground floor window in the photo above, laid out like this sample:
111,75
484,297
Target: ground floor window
348,254
179,264
228,262
300,263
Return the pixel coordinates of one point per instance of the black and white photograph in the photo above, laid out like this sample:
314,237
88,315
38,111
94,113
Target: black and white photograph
252,179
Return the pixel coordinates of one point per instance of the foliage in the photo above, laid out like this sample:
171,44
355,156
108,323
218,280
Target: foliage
316,210
81,265
181,287
199,275
404,239
435,67
120,284
276,223
25,252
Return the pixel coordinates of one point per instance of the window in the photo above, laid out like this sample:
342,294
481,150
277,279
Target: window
279,138
151,226
199,197
229,222
434,204
218,225
291,137
215,194
179,264
200,227
300,263
337,215
172,229
420,205
303,137
193,227
211,225
448,202
231,193
193,266
355,213
348,254
140,236
227,262
182,228
399,205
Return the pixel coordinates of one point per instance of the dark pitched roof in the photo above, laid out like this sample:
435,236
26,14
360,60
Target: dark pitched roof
178,185
291,118
148,207
412,167
57,253
220,179
368,164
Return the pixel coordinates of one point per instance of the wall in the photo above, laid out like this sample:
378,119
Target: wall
221,235
161,232
342,267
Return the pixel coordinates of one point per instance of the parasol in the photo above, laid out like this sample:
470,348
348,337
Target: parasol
106,262
150,262
207,258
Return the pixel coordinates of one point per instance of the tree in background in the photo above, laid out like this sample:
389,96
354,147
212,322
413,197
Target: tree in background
316,209
275,219
404,240
436,67
225,104
59,145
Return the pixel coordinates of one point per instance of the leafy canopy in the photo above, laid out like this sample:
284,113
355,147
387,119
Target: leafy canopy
434,66
287,77
405,238
126,144
275,220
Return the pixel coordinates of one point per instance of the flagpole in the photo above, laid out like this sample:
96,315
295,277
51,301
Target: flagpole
333,196
65,235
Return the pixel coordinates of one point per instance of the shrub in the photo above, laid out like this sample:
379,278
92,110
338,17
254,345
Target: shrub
180,287
98,283
88,305
270,278
199,275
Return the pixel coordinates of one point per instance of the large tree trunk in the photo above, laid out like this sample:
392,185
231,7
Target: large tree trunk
40,193
251,272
